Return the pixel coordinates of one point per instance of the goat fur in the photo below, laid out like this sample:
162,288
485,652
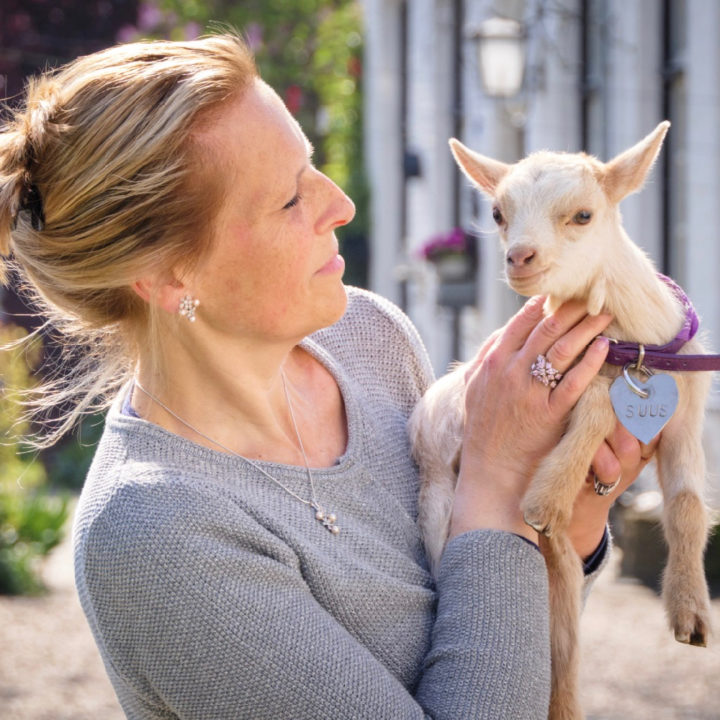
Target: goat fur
597,263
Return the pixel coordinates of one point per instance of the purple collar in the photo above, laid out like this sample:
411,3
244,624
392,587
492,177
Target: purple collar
666,357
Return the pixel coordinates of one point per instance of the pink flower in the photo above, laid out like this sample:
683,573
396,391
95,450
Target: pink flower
192,30
127,33
294,98
253,36
149,17
454,241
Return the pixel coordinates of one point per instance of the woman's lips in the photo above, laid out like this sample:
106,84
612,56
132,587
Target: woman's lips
334,265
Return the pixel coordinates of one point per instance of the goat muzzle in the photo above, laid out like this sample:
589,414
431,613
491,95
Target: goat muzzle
520,255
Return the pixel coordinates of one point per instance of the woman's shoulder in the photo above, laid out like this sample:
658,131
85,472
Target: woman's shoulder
132,492
122,496
374,312
376,344
374,328
159,528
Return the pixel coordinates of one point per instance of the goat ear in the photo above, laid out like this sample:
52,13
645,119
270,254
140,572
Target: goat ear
484,172
626,173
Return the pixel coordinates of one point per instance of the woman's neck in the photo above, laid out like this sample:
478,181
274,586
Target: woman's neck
236,396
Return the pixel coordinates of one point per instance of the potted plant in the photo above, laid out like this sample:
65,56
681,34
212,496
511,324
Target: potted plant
454,257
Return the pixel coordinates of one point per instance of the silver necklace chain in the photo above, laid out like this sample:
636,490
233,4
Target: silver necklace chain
328,520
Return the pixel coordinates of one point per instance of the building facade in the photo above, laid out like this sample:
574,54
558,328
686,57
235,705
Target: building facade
599,75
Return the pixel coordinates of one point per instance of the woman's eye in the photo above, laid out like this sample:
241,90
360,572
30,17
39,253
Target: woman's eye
582,217
497,216
293,202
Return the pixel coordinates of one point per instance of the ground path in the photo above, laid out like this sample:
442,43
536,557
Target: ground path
632,668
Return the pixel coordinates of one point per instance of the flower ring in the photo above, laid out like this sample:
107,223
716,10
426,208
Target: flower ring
543,371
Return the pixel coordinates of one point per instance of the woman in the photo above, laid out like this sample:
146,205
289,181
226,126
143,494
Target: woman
245,543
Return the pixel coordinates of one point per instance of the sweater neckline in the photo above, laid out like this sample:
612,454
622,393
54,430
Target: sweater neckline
352,420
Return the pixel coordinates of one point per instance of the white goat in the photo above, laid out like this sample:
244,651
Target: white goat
561,229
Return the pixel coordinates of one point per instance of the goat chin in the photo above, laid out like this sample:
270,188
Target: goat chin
530,195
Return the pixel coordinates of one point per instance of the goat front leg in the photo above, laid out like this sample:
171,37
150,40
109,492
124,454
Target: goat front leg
548,503
681,471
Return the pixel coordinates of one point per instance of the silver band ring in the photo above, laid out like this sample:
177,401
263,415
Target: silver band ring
602,488
543,371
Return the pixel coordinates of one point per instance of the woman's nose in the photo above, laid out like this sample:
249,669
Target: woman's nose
340,209
346,212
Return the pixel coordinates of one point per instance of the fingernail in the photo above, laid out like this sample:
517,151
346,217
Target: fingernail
601,343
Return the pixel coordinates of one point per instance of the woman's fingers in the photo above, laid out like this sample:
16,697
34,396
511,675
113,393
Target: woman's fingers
554,326
517,330
561,337
563,352
608,469
485,348
615,465
576,380
625,447
621,456
512,335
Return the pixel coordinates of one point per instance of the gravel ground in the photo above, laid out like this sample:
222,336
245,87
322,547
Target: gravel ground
632,668
49,667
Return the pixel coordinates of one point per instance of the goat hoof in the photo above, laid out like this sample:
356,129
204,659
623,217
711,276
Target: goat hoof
538,525
688,604
698,637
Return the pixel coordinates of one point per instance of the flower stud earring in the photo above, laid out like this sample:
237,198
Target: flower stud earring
187,307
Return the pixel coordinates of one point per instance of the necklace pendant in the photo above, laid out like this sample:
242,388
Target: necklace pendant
328,520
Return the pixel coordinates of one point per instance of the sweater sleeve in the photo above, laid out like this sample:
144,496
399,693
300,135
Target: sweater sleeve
490,653
216,622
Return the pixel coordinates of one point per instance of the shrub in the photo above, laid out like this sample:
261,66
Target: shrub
31,519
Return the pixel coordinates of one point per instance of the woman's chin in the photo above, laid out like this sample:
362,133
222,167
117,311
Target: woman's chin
335,305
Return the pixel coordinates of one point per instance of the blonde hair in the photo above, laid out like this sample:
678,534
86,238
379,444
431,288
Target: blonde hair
101,178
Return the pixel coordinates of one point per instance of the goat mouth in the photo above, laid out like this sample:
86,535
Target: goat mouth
523,275
523,282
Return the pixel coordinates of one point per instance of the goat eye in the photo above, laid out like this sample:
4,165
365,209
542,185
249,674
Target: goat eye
582,217
497,216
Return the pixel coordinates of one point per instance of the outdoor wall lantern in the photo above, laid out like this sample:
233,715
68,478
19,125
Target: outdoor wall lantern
500,44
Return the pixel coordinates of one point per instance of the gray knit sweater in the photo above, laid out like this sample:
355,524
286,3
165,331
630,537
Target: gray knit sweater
214,594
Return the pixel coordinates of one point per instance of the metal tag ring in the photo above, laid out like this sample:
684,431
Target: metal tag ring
631,383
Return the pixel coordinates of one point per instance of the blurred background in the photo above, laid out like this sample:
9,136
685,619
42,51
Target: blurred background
379,86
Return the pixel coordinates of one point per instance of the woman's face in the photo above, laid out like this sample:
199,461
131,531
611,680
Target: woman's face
273,272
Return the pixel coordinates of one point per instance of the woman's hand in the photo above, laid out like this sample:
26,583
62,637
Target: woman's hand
620,457
512,421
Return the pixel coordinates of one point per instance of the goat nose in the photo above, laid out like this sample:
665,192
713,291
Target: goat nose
520,255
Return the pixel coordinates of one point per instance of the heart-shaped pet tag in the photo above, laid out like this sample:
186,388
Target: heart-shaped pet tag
645,417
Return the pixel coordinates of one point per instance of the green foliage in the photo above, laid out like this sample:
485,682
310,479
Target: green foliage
68,461
310,52
31,520
337,73
31,524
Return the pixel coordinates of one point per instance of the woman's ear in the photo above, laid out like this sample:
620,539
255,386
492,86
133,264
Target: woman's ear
165,293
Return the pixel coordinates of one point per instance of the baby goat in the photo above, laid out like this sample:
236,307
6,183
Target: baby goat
561,230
